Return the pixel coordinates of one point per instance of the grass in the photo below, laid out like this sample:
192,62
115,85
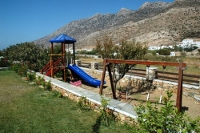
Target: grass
27,108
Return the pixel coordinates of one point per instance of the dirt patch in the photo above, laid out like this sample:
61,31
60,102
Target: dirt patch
189,104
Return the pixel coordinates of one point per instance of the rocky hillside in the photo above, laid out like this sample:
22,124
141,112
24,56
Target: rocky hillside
155,23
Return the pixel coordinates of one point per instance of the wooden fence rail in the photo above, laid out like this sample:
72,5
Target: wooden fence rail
167,76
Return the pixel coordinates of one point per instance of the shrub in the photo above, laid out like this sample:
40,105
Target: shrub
151,119
40,81
4,62
21,69
164,52
47,85
30,76
83,103
15,67
105,116
57,94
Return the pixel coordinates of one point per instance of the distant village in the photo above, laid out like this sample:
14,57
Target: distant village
186,43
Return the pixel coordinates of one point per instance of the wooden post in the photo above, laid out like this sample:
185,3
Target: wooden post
51,61
64,55
111,82
64,62
73,53
180,89
67,55
103,77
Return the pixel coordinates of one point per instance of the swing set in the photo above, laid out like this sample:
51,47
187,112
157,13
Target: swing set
181,66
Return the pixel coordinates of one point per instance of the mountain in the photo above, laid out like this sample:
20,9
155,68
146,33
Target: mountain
157,23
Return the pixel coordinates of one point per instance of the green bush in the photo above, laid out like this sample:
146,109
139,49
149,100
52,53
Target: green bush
57,94
39,80
47,85
164,52
106,117
30,76
152,119
82,103
21,69
4,63
15,67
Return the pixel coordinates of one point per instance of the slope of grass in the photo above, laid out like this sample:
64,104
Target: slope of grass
27,108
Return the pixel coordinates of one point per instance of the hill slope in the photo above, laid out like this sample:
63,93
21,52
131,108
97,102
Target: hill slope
155,23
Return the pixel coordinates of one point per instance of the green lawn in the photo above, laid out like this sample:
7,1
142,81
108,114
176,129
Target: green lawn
27,108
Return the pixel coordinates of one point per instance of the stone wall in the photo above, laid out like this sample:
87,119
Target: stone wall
138,82
119,114
95,106
122,116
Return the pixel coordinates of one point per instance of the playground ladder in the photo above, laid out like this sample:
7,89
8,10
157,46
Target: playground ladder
47,68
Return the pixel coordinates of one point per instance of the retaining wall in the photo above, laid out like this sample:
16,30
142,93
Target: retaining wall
137,81
122,111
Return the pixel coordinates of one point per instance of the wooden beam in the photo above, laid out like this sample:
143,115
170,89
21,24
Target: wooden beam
143,62
180,89
111,82
74,53
51,61
64,62
103,77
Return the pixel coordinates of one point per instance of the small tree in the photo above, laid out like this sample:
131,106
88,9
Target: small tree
164,51
105,47
34,56
178,48
125,50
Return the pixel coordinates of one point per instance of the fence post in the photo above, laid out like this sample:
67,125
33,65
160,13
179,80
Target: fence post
94,65
78,63
199,83
180,89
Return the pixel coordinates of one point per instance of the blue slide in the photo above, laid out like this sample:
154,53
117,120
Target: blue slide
84,75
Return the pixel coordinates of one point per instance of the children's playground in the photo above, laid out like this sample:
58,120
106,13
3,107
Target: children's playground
64,63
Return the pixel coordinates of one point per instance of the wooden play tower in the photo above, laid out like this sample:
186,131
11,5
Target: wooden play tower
60,62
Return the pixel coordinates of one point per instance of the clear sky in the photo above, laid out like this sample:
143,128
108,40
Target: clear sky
28,20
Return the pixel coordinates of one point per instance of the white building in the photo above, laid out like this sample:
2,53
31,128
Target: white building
188,42
159,47
184,44
172,54
153,48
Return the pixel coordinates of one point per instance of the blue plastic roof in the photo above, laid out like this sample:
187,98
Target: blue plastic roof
62,38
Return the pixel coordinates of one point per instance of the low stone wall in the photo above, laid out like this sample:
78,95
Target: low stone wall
96,106
121,111
138,82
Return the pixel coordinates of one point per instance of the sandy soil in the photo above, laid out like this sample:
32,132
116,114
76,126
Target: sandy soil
189,104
